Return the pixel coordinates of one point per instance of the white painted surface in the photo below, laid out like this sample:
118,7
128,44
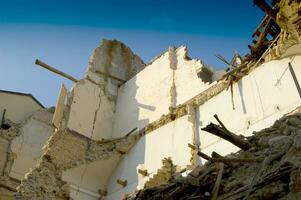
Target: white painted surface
188,84
87,180
85,103
18,107
28,146
91,113
170,140
146,97
256,100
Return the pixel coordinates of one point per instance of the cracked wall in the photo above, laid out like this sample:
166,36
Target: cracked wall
83,136
139,103
21,146
66,150
110,86
92,100
27,147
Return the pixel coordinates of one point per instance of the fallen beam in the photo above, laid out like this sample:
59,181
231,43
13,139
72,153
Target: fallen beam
218,181
219,158
46,66
223,132
229,160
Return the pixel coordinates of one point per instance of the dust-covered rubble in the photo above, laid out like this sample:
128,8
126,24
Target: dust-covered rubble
270,169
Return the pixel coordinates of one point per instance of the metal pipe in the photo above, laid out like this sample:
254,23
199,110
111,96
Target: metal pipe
46,66
294,78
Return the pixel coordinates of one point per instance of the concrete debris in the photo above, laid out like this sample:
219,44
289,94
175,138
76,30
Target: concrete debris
163,175
111,64
116,59
12,138
277,176
90,139
66,150
10,131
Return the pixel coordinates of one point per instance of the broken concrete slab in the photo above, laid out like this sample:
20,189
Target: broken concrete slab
115,58
27,147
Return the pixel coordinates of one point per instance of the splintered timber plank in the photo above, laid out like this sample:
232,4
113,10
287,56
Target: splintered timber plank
218,181
223,132
56,71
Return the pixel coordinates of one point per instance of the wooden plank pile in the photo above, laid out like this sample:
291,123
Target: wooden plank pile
267,167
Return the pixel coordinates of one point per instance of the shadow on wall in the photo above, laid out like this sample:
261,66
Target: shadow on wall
240,88
127,167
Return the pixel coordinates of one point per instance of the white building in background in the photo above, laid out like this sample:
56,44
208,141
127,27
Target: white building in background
18,106
25,127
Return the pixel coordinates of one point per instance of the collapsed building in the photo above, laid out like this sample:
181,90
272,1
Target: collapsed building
127,126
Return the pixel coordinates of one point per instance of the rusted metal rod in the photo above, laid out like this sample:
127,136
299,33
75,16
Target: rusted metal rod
46,66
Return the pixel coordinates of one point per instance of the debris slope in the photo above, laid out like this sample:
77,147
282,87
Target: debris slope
269,168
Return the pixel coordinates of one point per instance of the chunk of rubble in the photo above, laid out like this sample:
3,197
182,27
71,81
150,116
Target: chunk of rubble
277,176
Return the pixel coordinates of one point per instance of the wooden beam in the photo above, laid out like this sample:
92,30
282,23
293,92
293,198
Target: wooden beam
223,132
52,69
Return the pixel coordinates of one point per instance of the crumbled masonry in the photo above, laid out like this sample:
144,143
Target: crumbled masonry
65,150
119,125
8,132
163,175
288,38
276,176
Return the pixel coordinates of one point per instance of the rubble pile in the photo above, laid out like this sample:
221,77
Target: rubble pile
270,168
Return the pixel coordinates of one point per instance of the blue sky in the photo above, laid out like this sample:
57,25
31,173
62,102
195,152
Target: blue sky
64,33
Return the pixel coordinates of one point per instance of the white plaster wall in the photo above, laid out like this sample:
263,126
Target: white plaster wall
188,84
258,103
170,140
144,98
91,112
28,146
87,180
256,100
18,107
